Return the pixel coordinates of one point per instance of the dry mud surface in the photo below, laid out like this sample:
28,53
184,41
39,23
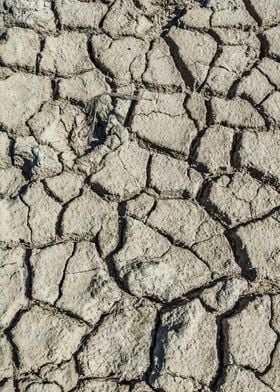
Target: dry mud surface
140,205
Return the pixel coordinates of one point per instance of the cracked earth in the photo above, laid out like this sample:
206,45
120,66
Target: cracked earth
139,196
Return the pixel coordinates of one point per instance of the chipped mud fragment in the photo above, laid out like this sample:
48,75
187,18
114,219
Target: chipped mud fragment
126,19
271,108
271,37
11,181
229,67
165,278
83,87
140,206
63,374
196,17
65,186
166,273
233,14
271,69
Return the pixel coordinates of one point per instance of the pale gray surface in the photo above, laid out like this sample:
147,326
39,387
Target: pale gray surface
139,196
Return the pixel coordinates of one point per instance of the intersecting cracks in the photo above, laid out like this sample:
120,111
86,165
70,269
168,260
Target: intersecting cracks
189,113
178,243
268,78
59,229
257,219
222,339
37,372
160,332
264,179
215,212
241,256
202,199
277,342
92,332
178,12
113,272
98,65
60,310
192,159
264,49
216,56
49,192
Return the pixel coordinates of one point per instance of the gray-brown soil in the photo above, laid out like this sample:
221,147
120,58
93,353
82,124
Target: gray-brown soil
139,196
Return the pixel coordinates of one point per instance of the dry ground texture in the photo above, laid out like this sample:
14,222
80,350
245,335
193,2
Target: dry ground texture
140,204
